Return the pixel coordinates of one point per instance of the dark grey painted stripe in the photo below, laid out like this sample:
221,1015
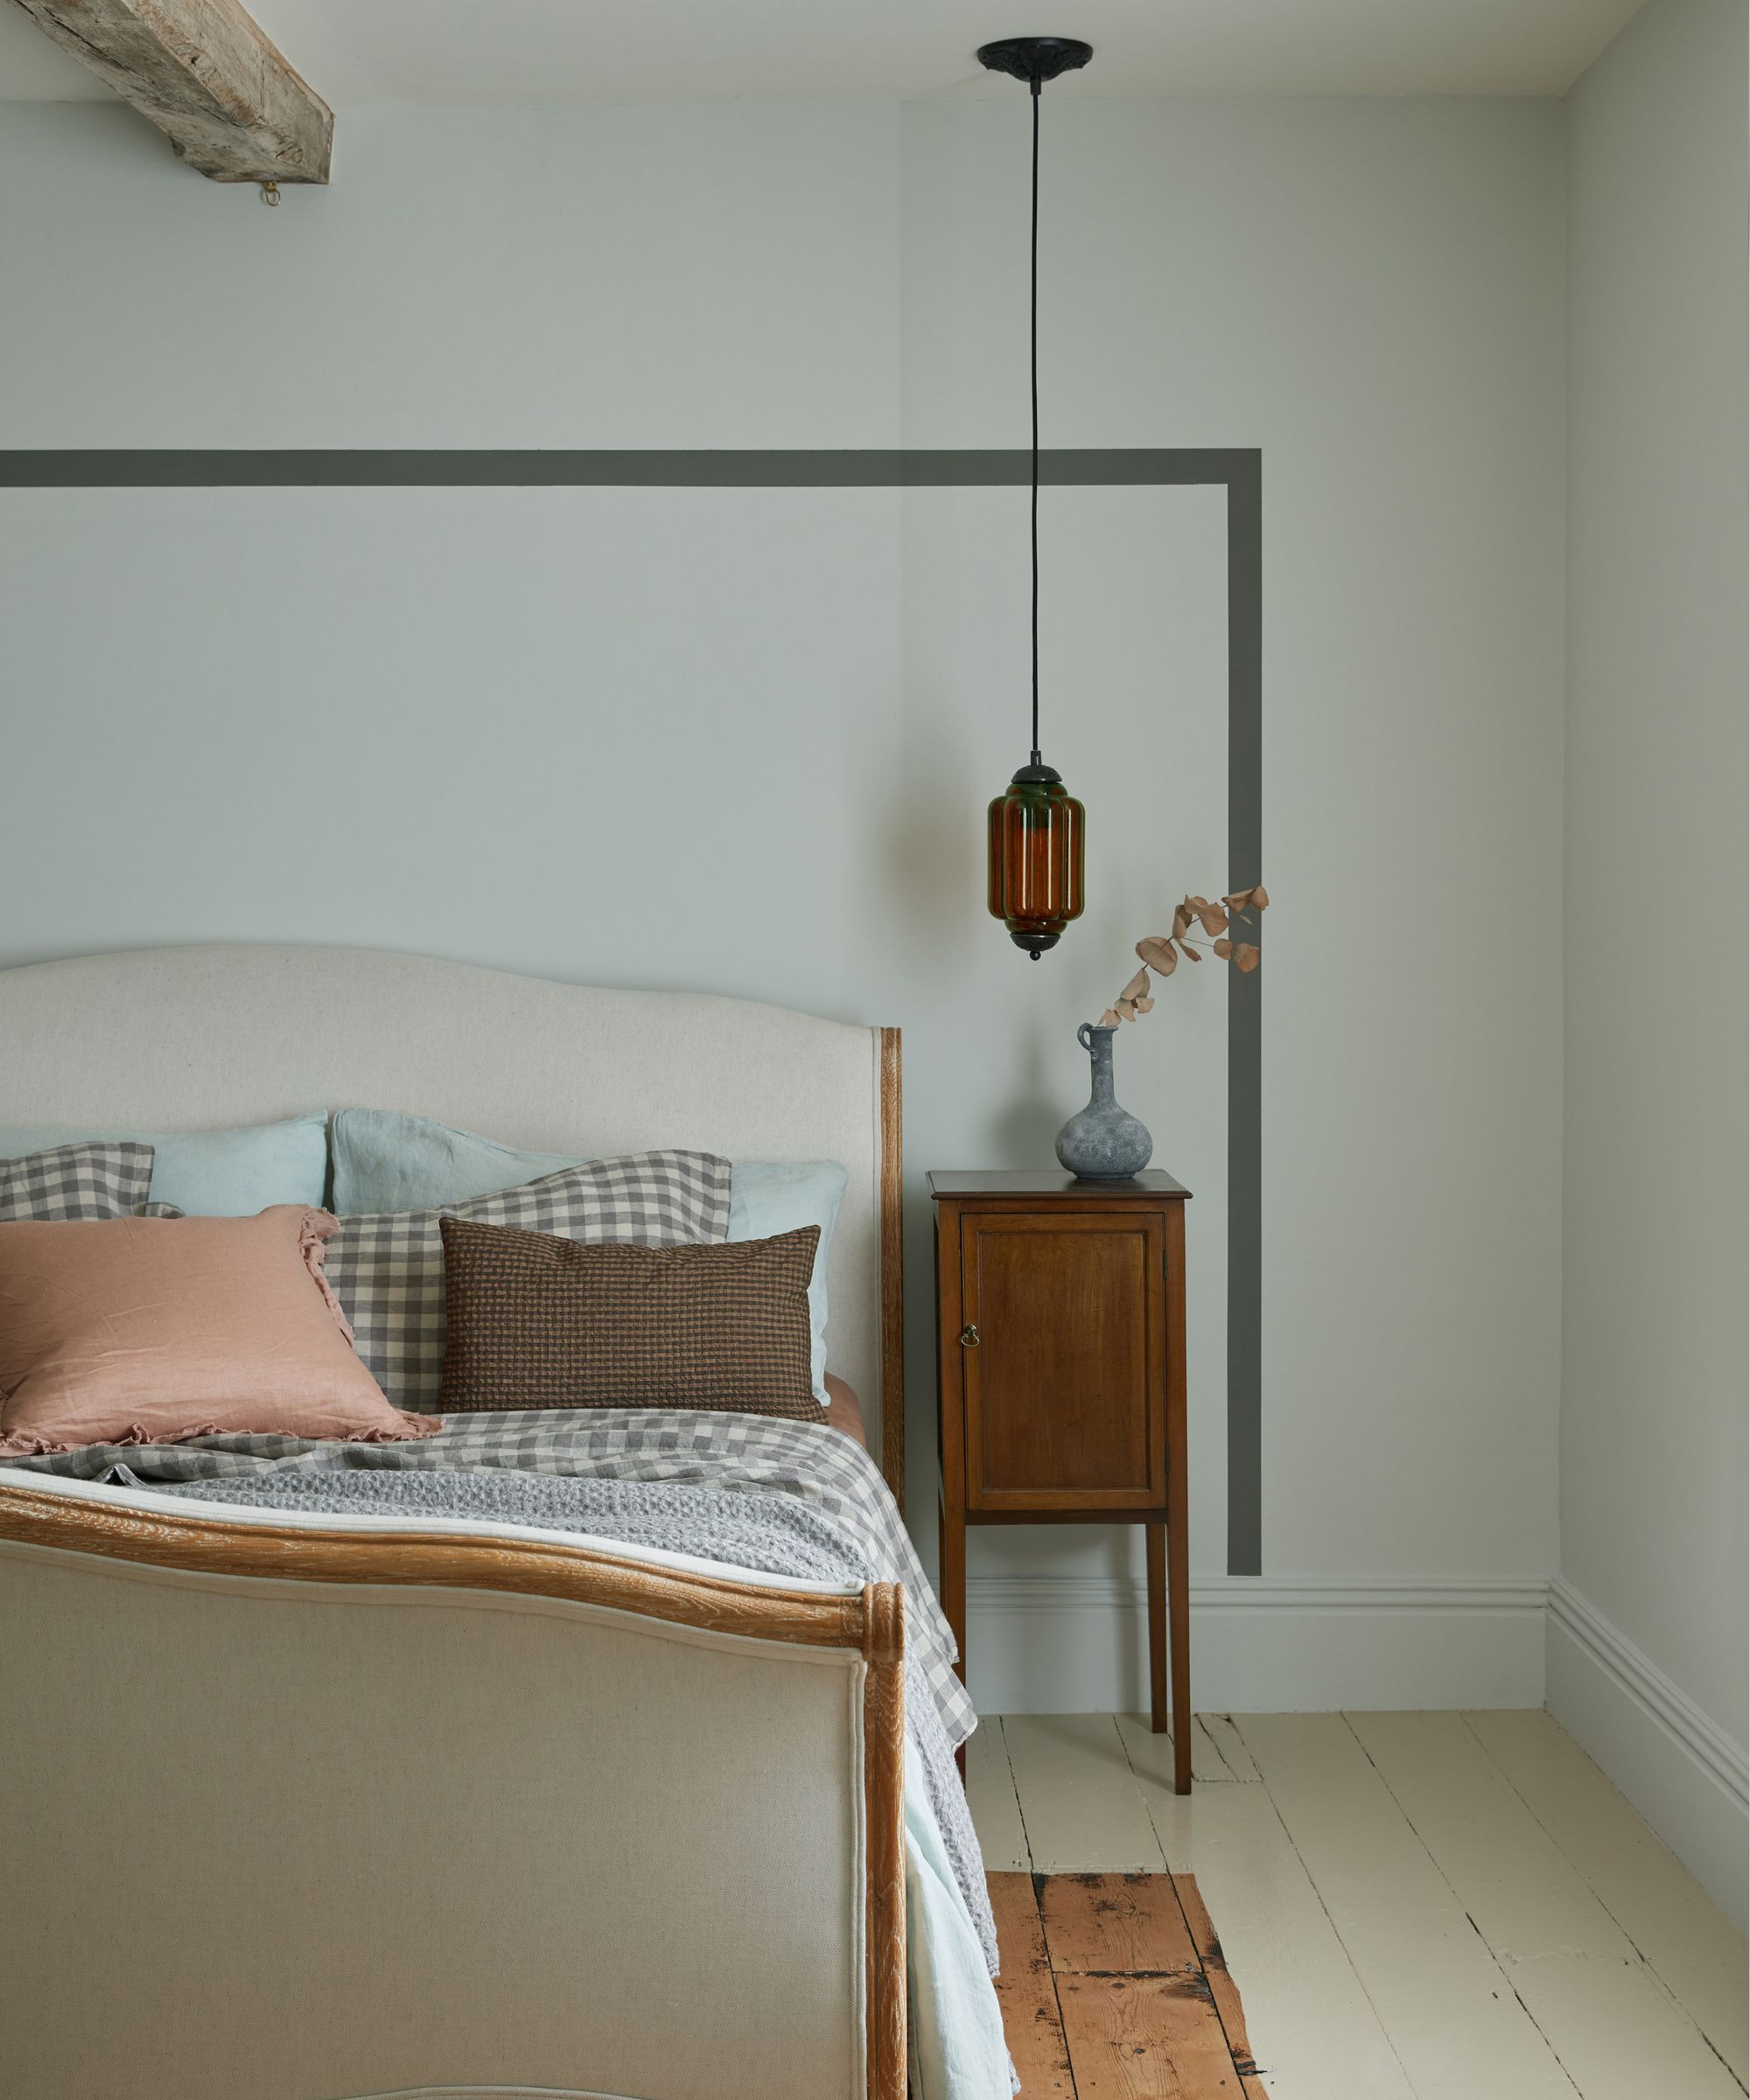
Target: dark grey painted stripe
611,469
1236,469
1245,1015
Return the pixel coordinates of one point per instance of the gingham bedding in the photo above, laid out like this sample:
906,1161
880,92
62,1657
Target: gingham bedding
781,1497
387,1268
78,1183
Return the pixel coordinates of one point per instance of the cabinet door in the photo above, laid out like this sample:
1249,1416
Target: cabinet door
1065,1387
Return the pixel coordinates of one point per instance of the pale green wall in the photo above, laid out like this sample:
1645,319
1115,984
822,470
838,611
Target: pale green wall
1653,1423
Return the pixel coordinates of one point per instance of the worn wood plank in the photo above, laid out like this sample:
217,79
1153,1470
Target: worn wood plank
1223,1989
1031,2024
204,73
1103,1923
1146,2038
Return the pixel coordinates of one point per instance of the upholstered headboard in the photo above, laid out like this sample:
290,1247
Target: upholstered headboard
203,1037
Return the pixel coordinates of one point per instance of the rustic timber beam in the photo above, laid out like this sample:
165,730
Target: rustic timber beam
206,76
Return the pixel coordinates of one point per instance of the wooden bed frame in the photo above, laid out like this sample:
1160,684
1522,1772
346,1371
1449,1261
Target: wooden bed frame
335,1681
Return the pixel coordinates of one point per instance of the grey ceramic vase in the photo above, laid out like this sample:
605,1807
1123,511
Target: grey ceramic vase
1104,1143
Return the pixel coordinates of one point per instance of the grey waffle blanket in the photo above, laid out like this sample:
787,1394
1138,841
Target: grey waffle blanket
784,1498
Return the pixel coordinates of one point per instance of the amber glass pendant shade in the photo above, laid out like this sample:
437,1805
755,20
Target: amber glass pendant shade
1035,844
1034,832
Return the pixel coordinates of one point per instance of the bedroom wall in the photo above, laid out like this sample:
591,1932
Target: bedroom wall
1648,1640
695,738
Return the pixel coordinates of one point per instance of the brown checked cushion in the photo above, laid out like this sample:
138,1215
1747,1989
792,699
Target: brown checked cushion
539,1321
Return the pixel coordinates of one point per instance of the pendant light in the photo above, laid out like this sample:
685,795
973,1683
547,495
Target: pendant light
1034,843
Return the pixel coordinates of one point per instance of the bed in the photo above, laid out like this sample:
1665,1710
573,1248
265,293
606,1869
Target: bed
321,1807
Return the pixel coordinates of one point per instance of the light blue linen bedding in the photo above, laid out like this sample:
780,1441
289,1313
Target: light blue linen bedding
953,2020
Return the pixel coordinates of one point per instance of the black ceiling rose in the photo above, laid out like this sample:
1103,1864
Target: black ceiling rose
1035,59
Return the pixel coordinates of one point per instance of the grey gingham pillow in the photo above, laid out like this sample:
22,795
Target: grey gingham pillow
78,1183
387,1267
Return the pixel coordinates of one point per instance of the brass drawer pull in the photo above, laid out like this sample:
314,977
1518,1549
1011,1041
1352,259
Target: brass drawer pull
969,1338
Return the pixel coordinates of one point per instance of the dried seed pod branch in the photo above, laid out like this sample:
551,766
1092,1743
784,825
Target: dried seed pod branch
1161,952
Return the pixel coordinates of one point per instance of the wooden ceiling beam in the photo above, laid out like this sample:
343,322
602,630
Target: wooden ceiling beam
206,76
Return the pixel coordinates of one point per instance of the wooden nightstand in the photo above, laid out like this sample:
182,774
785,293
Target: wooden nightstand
1061,1377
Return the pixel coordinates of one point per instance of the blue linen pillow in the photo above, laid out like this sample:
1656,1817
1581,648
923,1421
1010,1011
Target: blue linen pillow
768,1197
387,1161
211,1173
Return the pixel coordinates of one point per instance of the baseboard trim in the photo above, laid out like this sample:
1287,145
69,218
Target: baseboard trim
1665,1703
1673,1763
1273,1644
1032,1593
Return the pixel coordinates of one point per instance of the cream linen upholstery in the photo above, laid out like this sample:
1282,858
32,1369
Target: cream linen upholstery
180,1038
328,1841
281,1840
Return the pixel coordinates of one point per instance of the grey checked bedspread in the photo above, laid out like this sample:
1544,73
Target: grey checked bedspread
785,1498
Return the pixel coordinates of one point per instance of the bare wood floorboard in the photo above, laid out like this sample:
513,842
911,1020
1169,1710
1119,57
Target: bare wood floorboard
1031,2022
1098,1922
1222,1988
1146,2038
1417,1906
1105,1993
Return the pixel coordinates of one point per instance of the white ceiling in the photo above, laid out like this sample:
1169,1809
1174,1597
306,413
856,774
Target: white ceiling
356,52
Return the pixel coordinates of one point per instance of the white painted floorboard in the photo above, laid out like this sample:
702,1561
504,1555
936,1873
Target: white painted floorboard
1440,1995
1682,1935
1415,1907
991,1796
1312,2032
1614,2027
1081,1805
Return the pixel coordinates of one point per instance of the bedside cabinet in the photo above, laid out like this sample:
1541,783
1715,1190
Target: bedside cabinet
1060,1381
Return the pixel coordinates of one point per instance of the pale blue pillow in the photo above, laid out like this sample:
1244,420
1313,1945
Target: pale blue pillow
212,1174
387,1161
768,1197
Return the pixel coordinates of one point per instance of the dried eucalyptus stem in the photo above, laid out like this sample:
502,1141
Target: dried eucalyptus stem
1161,952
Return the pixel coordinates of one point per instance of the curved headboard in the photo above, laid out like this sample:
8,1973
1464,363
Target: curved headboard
176,1039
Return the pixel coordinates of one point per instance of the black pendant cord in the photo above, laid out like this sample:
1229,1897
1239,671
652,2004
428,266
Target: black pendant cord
1034,380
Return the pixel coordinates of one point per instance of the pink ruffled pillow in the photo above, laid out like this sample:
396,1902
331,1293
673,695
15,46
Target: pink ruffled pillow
151,1330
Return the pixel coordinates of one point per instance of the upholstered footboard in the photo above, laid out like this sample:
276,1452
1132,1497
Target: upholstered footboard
306,1810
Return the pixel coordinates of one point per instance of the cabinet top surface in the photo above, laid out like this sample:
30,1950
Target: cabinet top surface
1031,1181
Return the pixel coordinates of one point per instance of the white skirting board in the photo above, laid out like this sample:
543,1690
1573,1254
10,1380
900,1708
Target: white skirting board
1686,1777
1269,1644
1288,1644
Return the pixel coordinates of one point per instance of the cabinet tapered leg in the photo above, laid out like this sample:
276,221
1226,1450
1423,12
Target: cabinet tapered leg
1157,1619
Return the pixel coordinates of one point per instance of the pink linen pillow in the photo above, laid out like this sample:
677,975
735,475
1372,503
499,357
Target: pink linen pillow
151,1330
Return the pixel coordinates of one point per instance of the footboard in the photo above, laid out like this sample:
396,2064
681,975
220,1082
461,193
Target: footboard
303,1810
